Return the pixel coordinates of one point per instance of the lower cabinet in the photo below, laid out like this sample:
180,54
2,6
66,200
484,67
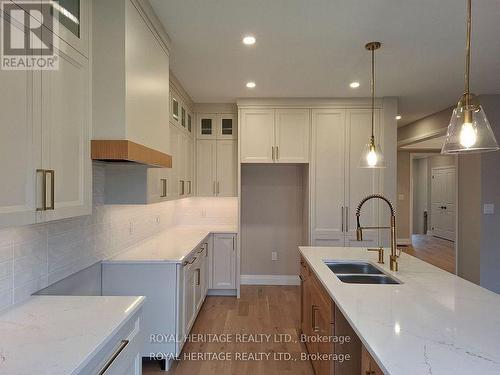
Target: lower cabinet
368,364
321,319
223,261
121,355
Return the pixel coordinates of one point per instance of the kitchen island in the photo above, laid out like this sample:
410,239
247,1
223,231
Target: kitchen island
434,322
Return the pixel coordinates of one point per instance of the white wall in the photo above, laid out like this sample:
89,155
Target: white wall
272,204
33,257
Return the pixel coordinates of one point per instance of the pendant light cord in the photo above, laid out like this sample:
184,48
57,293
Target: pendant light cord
373,92
467,58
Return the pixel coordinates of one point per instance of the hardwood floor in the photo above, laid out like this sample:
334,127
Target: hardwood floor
436,251
260,310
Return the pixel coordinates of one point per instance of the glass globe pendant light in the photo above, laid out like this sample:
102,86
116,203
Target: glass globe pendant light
469,130
372,156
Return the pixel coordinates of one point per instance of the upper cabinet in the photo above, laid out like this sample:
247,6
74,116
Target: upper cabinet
45,135
216,126
275,135
130,78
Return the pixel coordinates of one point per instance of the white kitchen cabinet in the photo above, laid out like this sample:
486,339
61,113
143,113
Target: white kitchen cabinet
275,135
337,182
217,163
216,126
181,175
257,135
45,152
190,277
227,127
66,133
223,259
292,136
327,177
227,164
20,146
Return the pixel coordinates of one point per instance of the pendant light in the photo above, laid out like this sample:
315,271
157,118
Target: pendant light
372,156
469,130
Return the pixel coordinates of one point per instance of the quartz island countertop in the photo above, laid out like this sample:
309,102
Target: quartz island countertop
172,245
433,323
59,335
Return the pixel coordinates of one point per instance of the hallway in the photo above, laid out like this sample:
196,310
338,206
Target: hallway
436,251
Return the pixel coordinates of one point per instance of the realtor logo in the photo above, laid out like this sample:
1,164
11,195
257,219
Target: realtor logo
28,40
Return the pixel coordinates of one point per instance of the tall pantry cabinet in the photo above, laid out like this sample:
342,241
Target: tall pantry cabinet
45,153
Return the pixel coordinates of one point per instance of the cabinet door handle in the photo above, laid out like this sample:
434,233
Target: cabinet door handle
115,354
234,243
215,189
342,217
163,188
347,219
277,153
218,187
314,327
272,148
44,190
192,260
182,182
189,185
198,276
52,175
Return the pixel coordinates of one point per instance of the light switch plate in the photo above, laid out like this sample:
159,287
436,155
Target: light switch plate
489,209
401,197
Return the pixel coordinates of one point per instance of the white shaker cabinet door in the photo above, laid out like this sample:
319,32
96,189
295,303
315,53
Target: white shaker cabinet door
66,135
292,135
327,174
20,145
257,135
227,162
361,182
206,172
224,261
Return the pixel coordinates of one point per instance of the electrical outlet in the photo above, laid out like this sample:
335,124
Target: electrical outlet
274,255
489,209
131,227
401,197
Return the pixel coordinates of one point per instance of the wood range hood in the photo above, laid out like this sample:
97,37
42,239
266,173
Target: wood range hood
127,151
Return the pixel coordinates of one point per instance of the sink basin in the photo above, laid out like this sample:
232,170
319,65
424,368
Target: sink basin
364,268
367,279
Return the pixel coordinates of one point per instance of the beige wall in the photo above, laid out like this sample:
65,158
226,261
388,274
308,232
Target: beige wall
272,205
403,203
430,126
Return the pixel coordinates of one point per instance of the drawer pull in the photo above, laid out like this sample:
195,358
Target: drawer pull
117,352
314,326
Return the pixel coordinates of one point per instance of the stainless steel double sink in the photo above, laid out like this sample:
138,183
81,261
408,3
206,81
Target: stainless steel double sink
359,272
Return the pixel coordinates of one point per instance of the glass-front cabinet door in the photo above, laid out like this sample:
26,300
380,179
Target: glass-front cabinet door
227,127
207,124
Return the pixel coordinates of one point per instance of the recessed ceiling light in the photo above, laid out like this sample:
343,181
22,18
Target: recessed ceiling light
249,40
250,85
399,117
354,85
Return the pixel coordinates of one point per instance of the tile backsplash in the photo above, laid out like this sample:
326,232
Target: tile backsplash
35,256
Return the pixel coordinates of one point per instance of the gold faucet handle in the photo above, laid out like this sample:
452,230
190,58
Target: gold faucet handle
380,251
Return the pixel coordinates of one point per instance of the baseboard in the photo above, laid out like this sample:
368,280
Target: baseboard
403,241
222,292
270,280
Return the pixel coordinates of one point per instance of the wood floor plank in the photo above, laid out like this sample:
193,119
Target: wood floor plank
436,251
260,310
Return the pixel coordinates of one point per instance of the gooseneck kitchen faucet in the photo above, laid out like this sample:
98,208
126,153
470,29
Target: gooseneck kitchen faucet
359,231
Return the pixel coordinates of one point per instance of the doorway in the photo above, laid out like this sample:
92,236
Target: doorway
433,209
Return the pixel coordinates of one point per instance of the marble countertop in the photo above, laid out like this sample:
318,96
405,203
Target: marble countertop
52,335
172,245
434,323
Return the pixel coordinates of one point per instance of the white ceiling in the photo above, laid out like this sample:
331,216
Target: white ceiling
315,48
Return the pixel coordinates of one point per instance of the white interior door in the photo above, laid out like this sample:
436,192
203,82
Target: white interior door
66,134
227,161
327,174
443,202
361,182
257,135
206,172
292,135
